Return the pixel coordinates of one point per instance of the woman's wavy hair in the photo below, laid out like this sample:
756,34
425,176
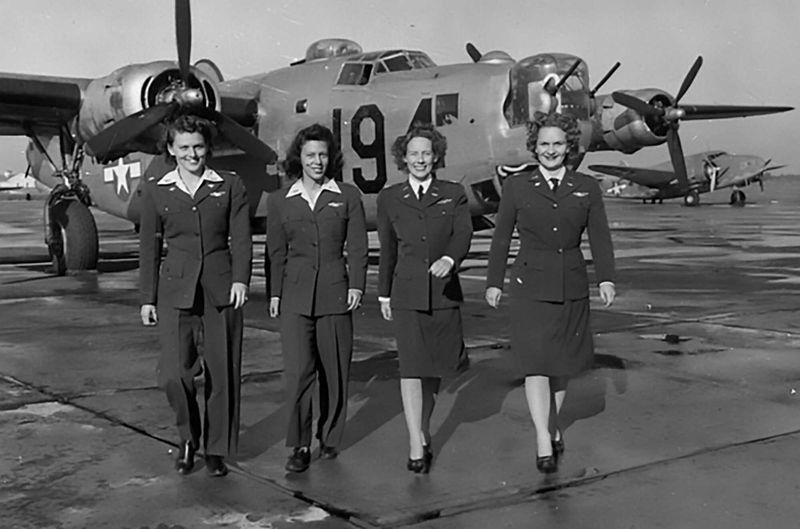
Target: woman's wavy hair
293,165
188,123
561,121
420,130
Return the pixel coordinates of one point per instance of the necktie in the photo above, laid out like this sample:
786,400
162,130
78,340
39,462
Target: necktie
554,184
421,193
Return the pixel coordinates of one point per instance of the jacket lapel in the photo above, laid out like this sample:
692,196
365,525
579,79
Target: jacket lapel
409,197
541,186
205,189
567,186
323,199
432,195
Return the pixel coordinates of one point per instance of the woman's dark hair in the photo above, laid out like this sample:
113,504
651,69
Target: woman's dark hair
420,130
316,132
189,123
560,121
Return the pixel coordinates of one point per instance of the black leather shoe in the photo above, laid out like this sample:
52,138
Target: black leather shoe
328,452
419,466
299,460
547,464
185,462
427,453
215,466
558,447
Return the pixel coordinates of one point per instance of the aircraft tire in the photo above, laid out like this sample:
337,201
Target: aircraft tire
738,198
692,198
74,243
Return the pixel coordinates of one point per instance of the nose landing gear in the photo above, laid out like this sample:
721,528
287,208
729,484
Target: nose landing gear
738,198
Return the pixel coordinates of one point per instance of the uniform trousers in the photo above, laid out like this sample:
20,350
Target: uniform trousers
316,348
212,335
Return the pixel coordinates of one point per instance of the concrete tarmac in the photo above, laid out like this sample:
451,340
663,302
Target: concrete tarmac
689,419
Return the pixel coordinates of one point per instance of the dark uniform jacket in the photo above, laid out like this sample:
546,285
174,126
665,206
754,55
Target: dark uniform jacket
550,265
207,239
413,235
309,270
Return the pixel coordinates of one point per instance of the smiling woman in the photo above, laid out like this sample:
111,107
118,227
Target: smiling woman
202,217
550,207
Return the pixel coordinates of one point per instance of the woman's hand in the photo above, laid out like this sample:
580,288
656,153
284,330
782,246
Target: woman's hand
493,295
353,298
274,306
607,293
386,310
238,295
149,315
441,267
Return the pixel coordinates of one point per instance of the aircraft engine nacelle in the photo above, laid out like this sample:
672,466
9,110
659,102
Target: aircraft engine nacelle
136,87
628,131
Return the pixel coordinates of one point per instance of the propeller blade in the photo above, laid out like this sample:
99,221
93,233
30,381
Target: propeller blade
689,79
243,139
183,35
114,137
473,52
761,184
605,78
565,77
698,112
676,155
636,104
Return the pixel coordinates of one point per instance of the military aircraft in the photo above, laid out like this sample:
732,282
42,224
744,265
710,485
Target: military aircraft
706,172
94,140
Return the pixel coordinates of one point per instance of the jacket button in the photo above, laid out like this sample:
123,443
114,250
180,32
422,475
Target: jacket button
423,238
560,250
555,205
314,243
194,208
555,228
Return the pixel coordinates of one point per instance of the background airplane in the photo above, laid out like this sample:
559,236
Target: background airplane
706,172
94,140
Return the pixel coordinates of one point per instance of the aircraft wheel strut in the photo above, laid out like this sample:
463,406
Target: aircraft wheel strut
72,242
738,198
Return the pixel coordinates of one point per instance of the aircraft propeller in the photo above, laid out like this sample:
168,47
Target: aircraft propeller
107,143
473,52
669,117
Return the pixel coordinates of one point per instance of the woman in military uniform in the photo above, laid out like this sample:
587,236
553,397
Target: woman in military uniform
424,227
200,288
551,207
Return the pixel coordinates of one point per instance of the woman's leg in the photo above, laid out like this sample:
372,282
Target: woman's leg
411,392
558,386
430,390
537,393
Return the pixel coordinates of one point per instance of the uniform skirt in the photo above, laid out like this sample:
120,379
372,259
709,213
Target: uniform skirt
430,343
551,338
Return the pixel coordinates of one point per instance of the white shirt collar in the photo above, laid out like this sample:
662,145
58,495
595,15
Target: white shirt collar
414,183
299,189
558,174
172,177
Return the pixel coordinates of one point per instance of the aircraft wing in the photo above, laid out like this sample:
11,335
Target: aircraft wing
38,102
637,175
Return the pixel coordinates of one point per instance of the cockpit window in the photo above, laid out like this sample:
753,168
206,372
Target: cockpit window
397,63
359,70
355,73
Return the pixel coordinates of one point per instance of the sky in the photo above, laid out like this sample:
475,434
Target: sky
749,48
